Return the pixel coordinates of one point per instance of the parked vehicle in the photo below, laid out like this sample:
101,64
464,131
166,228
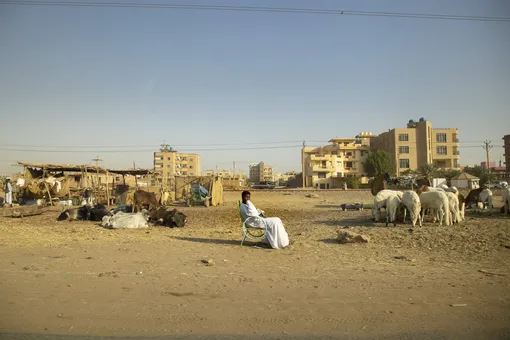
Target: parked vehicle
498,185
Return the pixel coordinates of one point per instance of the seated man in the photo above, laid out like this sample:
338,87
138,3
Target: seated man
276,235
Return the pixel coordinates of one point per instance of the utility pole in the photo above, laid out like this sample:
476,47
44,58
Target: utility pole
303,164
97,160
487,146
234,169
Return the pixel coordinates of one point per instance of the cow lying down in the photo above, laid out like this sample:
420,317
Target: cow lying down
84,213
170,218
122,220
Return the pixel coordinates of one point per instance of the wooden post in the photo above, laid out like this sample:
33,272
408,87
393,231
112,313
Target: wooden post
48,191
107,190
113,185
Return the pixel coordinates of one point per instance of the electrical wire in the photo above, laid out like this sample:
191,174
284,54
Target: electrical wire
150,150
255,9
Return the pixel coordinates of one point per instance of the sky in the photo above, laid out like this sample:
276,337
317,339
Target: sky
118,82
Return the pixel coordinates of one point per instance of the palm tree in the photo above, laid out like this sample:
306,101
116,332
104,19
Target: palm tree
428,171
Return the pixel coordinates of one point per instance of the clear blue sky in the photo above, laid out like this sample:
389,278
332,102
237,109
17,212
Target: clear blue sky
123,76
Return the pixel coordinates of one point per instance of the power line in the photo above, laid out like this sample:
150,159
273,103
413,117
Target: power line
150,150
256,9
155,147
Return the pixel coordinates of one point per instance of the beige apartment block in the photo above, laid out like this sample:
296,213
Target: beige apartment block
261,173
169,163
327,166
419,144
220,173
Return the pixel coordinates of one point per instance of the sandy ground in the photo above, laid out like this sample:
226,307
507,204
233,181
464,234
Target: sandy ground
76,280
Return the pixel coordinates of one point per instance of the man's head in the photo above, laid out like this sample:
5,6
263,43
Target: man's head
245,195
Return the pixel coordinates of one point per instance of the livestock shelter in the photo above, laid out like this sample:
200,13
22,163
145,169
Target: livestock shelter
465,181
182,188
54,182
122,193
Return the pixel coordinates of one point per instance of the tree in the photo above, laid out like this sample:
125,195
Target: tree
480,172
353,182
379,163
428,171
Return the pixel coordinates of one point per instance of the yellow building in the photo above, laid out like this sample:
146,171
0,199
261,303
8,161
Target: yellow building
168,163
219,173
419,144
261,173
326,167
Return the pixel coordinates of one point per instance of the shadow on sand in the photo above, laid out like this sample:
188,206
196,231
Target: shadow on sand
220,241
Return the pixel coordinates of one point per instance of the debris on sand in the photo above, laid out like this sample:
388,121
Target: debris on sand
312,196
351,237
458,305
208,262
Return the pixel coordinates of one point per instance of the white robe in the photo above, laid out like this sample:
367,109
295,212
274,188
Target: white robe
276,235
8,193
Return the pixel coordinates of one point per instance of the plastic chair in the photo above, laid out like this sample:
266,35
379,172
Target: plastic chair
247,230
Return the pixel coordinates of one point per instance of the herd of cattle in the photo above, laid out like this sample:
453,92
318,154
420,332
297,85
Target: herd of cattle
444,203
146,208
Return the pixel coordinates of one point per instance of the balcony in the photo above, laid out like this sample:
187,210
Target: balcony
319,157
320,168
455,140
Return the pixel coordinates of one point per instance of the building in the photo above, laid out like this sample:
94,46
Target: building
499,172
491,165
465,181
283,178
219,173
419,144
506,145
169,163
327,166
261,173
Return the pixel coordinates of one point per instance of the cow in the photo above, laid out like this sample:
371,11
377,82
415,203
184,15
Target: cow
84,213
98,212
169,218
75,214
142,198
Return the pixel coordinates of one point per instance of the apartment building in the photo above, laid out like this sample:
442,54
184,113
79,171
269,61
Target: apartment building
326,167
419,144
506,145
168,163
220,173
261,173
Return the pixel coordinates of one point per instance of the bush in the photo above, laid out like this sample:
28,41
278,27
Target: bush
353,182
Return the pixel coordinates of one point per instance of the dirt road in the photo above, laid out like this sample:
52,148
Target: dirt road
80,281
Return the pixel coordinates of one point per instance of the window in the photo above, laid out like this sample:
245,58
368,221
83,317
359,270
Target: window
441,150
348,164
348,154
168,158
334,152
403,149
404,164
404,137
191,166
441,138
322,175
191,159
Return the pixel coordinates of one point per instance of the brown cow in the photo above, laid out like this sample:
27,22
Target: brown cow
142,198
